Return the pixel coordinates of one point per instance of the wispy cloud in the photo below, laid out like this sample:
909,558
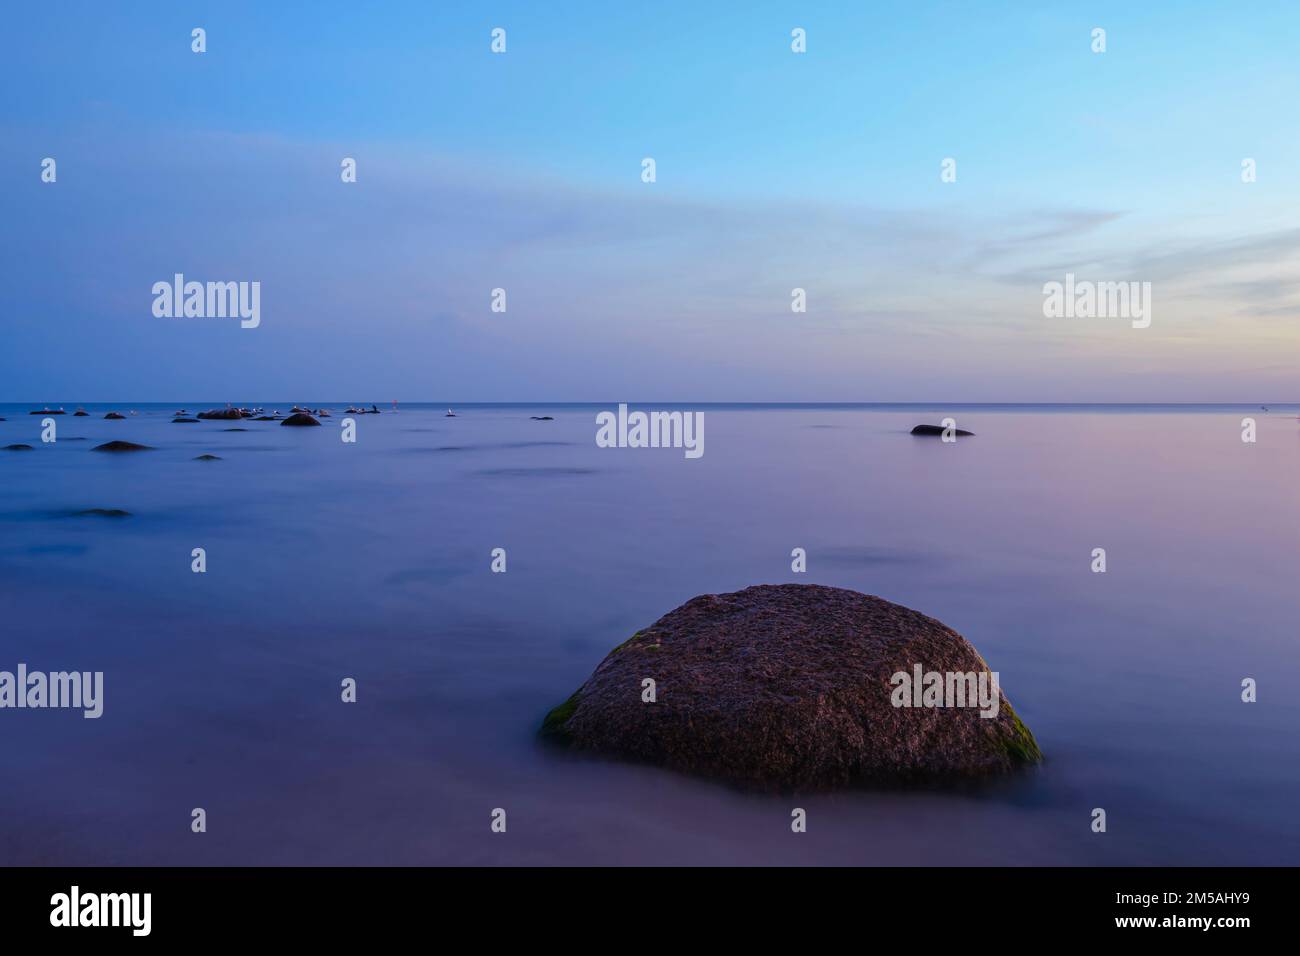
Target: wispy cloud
631,289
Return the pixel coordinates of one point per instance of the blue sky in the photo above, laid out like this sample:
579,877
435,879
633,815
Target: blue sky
775,171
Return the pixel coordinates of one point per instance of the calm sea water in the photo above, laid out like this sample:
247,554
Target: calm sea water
371,561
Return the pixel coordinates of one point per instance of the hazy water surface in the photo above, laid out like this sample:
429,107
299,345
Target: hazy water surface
371,561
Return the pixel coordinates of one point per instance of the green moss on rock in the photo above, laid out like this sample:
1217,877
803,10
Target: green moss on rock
626,644
1021,746
553,728
553,724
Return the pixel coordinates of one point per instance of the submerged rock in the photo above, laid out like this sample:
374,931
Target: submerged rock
300,418
180,420
937,430
122,446
790,686
114,416
541,418
18,448
102,513
207,458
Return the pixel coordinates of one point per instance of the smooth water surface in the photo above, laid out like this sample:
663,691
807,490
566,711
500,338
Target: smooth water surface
371,561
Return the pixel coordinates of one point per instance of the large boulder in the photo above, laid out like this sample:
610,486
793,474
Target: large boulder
794,686
222,414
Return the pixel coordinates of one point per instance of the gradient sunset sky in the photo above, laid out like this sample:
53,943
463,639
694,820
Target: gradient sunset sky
775,171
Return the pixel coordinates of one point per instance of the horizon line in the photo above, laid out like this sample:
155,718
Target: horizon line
52,406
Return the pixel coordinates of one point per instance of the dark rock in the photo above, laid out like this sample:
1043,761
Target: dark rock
300,418
80,414
265,418
234,429
17,448
541,418
121,446
937,430
48,412
103,513
114,416
178,421
207,458
789,686
222,414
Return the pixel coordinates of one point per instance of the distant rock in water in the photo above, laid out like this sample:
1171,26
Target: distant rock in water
187,421
207,458
781,687
102,513
300,418
17,448
114,416
938,430
48,412
122,446
222,414
80,413
265,418
234,429
541,418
